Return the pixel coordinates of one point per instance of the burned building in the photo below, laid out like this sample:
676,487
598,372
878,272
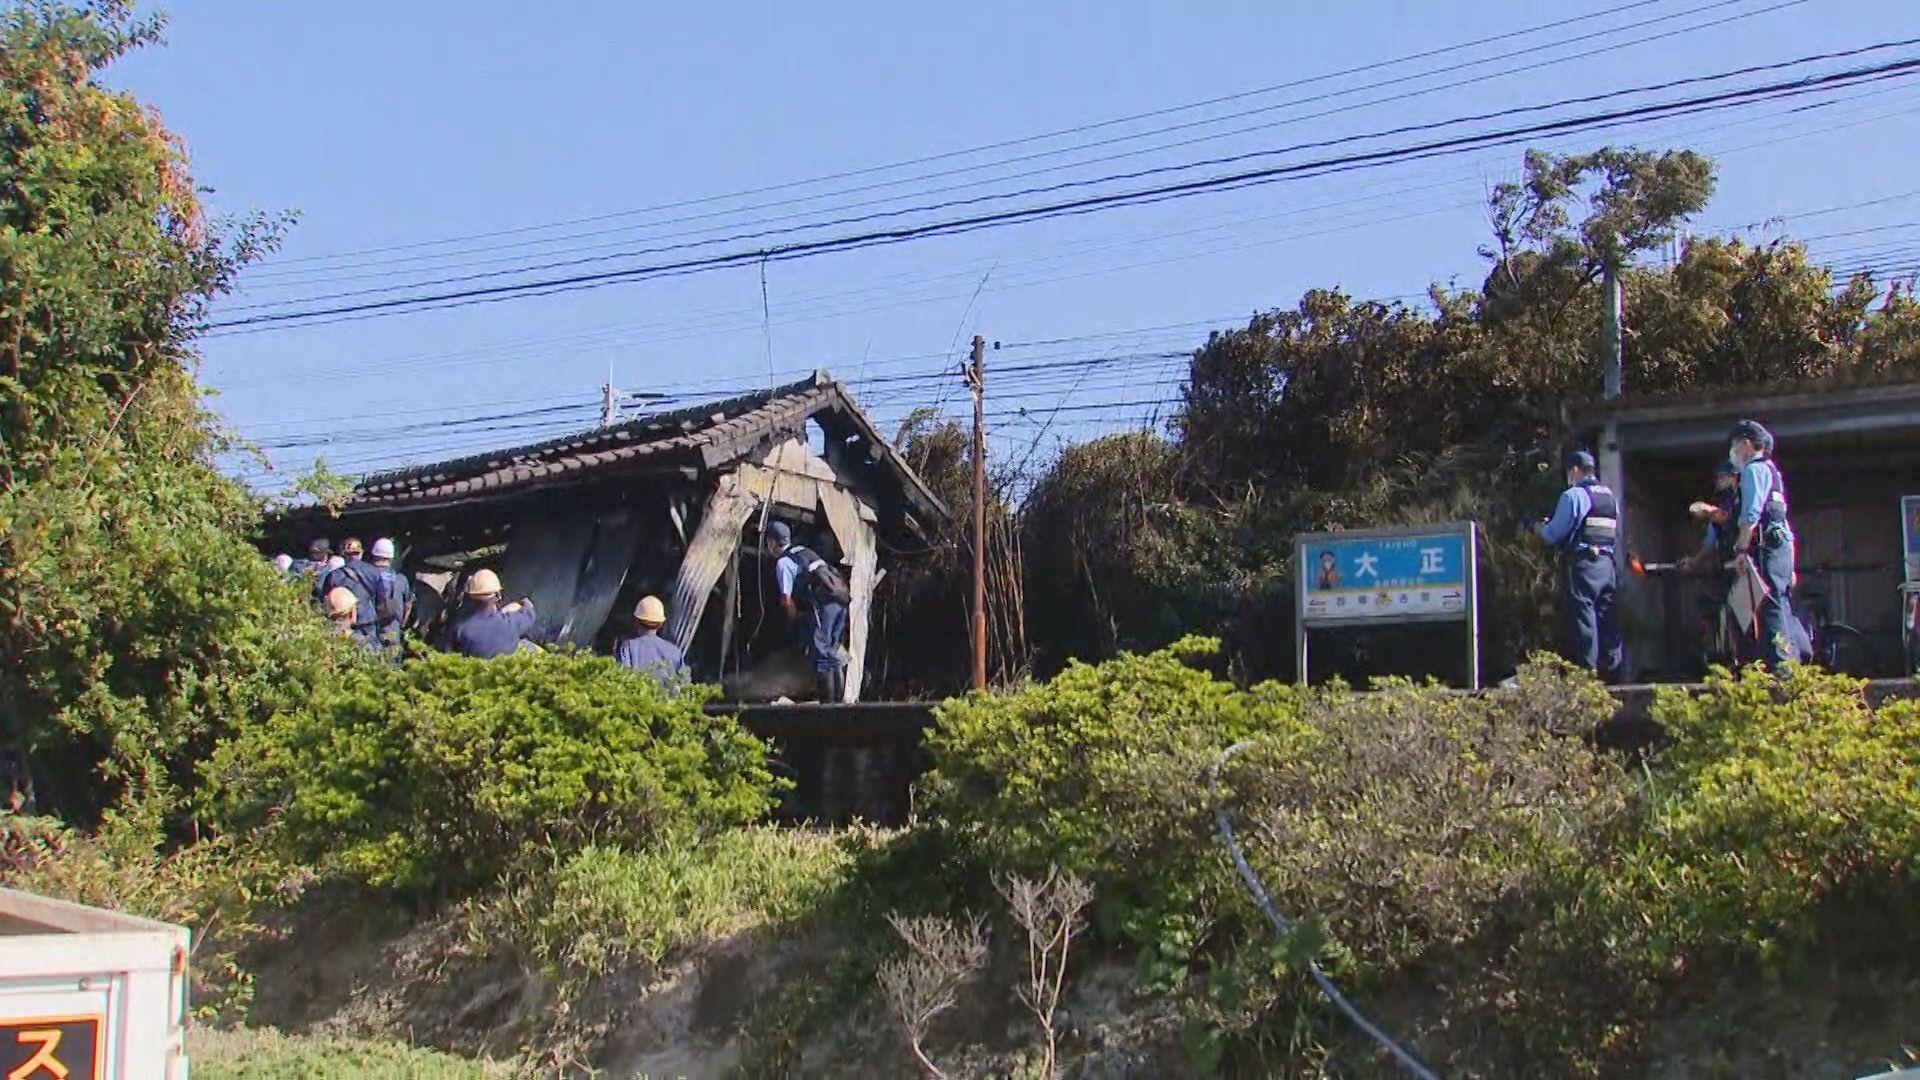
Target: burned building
670,504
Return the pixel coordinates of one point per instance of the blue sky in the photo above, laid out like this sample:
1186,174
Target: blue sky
389,126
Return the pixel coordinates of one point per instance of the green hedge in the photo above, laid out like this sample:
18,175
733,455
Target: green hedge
1509,895
440,773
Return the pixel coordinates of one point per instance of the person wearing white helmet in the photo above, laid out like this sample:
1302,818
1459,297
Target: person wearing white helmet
392,595
490,628
649,653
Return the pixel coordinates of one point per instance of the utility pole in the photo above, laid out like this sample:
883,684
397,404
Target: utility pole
1612,463
977,382
608,414
1610,361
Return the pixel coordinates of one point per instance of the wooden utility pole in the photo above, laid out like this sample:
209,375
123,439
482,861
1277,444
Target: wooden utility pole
977,382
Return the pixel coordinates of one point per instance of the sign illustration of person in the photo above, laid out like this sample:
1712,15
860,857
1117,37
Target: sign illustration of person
1329,577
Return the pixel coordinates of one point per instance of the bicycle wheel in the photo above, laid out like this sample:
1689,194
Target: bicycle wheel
1842,649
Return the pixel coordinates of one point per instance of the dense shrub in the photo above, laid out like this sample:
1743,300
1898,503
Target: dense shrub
137,625
1774,798
1101,772
441,772
1422,819
266,1054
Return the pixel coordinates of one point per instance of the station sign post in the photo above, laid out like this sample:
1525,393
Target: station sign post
1383,577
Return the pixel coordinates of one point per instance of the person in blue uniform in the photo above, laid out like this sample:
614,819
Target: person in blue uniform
1761,534
649,653
489,628
1716,513
1584,530
356,576
340,605
312,568
806,580
392,595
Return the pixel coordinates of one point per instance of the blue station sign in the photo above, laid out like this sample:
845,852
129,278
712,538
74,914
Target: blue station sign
1408,575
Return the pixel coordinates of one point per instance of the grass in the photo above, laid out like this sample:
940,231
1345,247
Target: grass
607,905
266,1054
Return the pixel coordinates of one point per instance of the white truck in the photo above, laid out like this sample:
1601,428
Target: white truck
87,994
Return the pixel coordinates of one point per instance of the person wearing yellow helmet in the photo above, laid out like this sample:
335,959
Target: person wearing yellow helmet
490,628
649,653
342,610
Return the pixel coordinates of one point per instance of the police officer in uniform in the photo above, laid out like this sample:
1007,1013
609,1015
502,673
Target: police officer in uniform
1584,530
1761,533
799,573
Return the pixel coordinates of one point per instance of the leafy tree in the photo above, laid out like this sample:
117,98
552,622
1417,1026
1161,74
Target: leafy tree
1340,412
135,622
319,486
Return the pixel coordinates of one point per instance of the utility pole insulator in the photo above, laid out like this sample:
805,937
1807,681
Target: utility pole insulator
977,382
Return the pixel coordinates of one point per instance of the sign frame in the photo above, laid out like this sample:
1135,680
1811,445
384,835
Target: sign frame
1469,534
1909,537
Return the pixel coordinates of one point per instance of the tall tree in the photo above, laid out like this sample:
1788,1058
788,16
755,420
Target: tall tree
1340,412
136,623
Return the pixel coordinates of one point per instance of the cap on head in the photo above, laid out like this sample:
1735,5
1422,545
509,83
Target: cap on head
351,546
283,562
383,548
1578,459
340,603
336,562
1753,432
483,584
779,534
318,548
650,612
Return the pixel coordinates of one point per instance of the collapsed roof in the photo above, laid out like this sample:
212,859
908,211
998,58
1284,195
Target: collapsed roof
692,441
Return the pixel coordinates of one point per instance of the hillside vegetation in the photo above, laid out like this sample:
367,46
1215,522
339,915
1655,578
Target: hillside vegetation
545,865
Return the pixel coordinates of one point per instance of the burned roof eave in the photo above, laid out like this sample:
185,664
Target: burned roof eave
733,429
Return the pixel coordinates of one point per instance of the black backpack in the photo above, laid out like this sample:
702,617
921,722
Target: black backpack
388,603
824,583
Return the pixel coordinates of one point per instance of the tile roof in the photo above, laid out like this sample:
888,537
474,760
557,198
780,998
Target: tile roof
701,435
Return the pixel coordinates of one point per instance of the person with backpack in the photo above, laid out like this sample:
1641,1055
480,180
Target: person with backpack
392,596
1762,535
355,576
1584,531
808,581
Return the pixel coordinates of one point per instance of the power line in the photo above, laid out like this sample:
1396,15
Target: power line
1100,202
847,219
1003,144
613,335
1090,161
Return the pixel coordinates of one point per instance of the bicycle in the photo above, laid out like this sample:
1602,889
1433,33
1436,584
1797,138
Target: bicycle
1718,637
1837,646
1910,625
